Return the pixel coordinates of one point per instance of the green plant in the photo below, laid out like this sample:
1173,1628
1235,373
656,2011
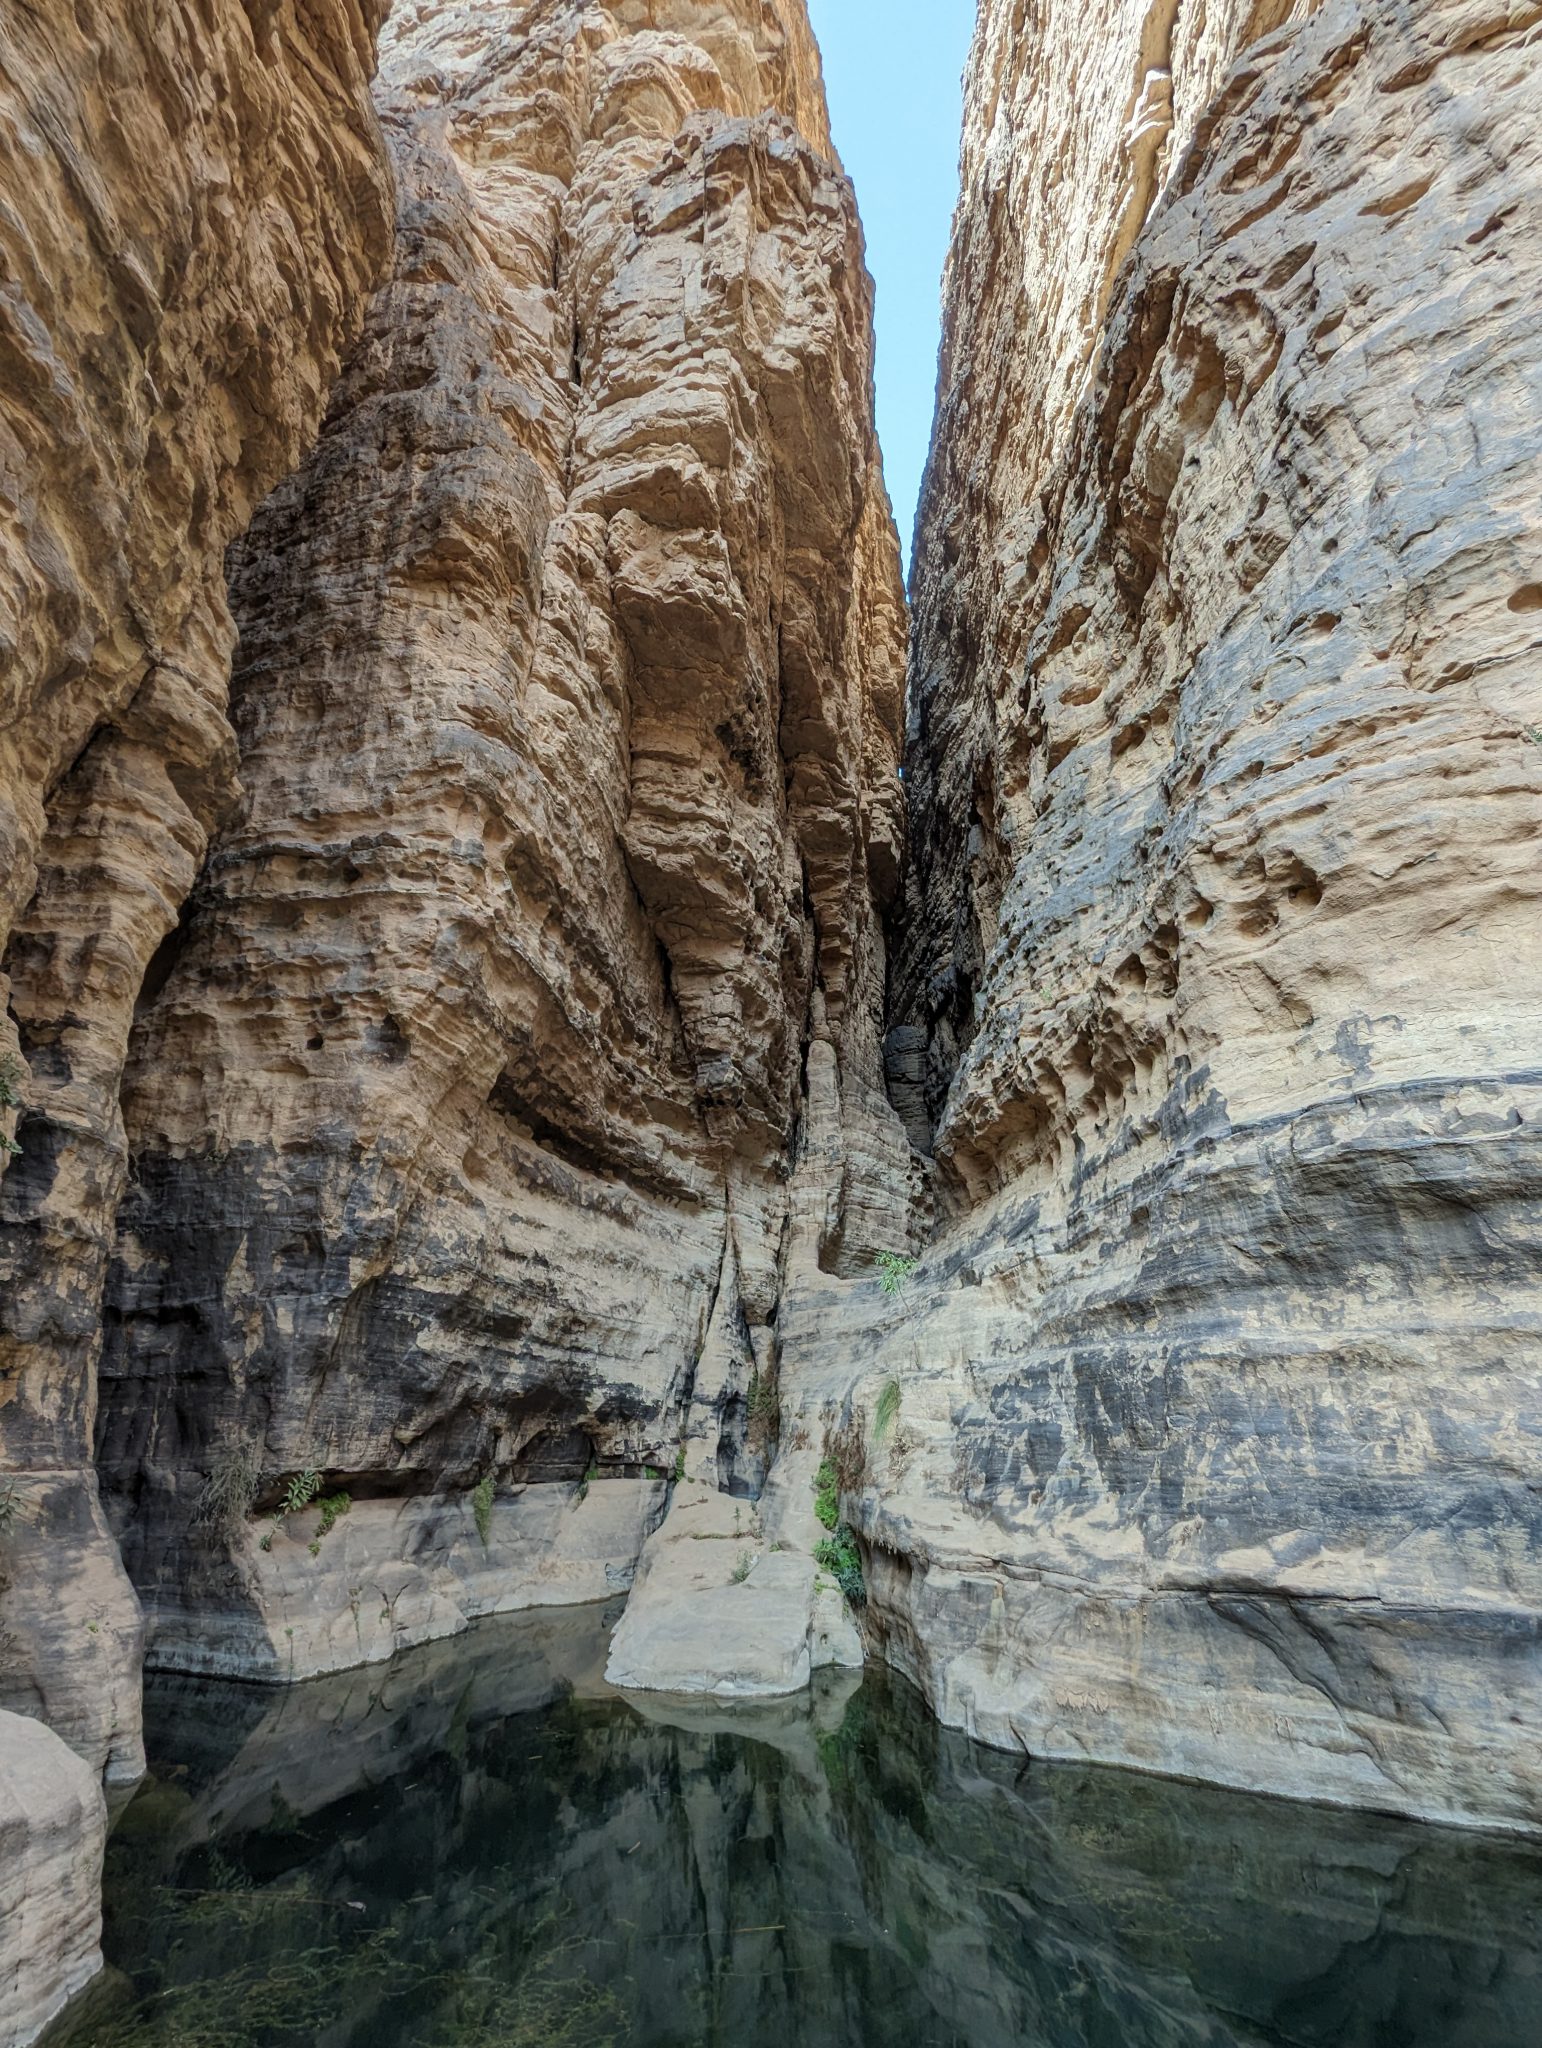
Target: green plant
680,1460
10,1507
653,1472
743,1568
886,1410
300,1492
333,1507
1534,734
840,1557
226,1498
482,1507
265,1541
314,1546
894,1271
589,1477
827,1494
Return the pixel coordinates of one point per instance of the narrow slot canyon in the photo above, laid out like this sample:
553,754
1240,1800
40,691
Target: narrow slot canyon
662,1199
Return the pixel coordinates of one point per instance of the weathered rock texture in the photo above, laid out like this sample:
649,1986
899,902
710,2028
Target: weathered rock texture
53,1823
1221,1435
547,934
195,203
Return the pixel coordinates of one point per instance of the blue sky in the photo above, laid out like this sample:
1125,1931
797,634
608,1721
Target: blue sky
893,71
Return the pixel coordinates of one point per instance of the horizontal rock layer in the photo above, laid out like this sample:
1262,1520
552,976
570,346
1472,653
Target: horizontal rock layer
1220,965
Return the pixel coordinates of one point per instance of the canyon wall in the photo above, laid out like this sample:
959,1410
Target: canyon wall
465,1100
1220,958
196,203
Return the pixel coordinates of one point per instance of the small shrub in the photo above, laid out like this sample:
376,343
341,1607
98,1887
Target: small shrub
333,1507
1534,734
482,1507
300,1492
680,1460
227,1494
840,1557
827,1495
886,1411
894,1271
589,1477
265,1541
314,1546
10,1508
743,1568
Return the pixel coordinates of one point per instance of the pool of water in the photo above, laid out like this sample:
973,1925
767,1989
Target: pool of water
479,1845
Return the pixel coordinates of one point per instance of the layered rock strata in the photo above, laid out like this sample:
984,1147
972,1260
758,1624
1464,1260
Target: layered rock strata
1219,1443
195,207
465,1100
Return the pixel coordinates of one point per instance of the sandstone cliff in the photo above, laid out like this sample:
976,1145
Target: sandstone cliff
1220,960
195,206
463,1101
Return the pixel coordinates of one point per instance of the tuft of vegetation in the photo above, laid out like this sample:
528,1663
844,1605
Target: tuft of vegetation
680,1460
10,1508
827,1495
300,1492
10,1098
744,1567
840,1557
1534,734
894,1271
265,1540
886,1411
333,1507
226,1498
482,1507
589,1477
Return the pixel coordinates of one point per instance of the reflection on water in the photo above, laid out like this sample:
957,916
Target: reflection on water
479,1847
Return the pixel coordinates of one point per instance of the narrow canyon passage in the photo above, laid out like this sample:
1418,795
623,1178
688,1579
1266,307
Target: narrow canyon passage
564,1044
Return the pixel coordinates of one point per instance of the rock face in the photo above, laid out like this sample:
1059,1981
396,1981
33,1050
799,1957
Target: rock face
195,205
1221,955
53,1824
546,939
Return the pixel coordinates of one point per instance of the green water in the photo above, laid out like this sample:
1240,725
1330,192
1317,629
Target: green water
477,1846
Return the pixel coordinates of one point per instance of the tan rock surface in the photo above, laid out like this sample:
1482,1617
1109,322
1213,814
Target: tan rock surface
1223,965
53,1824
194,206
567,702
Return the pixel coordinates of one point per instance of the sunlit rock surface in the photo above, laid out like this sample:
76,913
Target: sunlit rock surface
545,942
1220,958
53,1822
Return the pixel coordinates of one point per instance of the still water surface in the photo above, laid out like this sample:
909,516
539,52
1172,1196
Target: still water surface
477,1847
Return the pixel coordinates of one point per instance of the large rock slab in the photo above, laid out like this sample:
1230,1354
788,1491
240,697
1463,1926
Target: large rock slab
53,1825
721,1606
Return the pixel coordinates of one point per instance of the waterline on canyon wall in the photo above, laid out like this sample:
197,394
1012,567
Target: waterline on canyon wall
481,1844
